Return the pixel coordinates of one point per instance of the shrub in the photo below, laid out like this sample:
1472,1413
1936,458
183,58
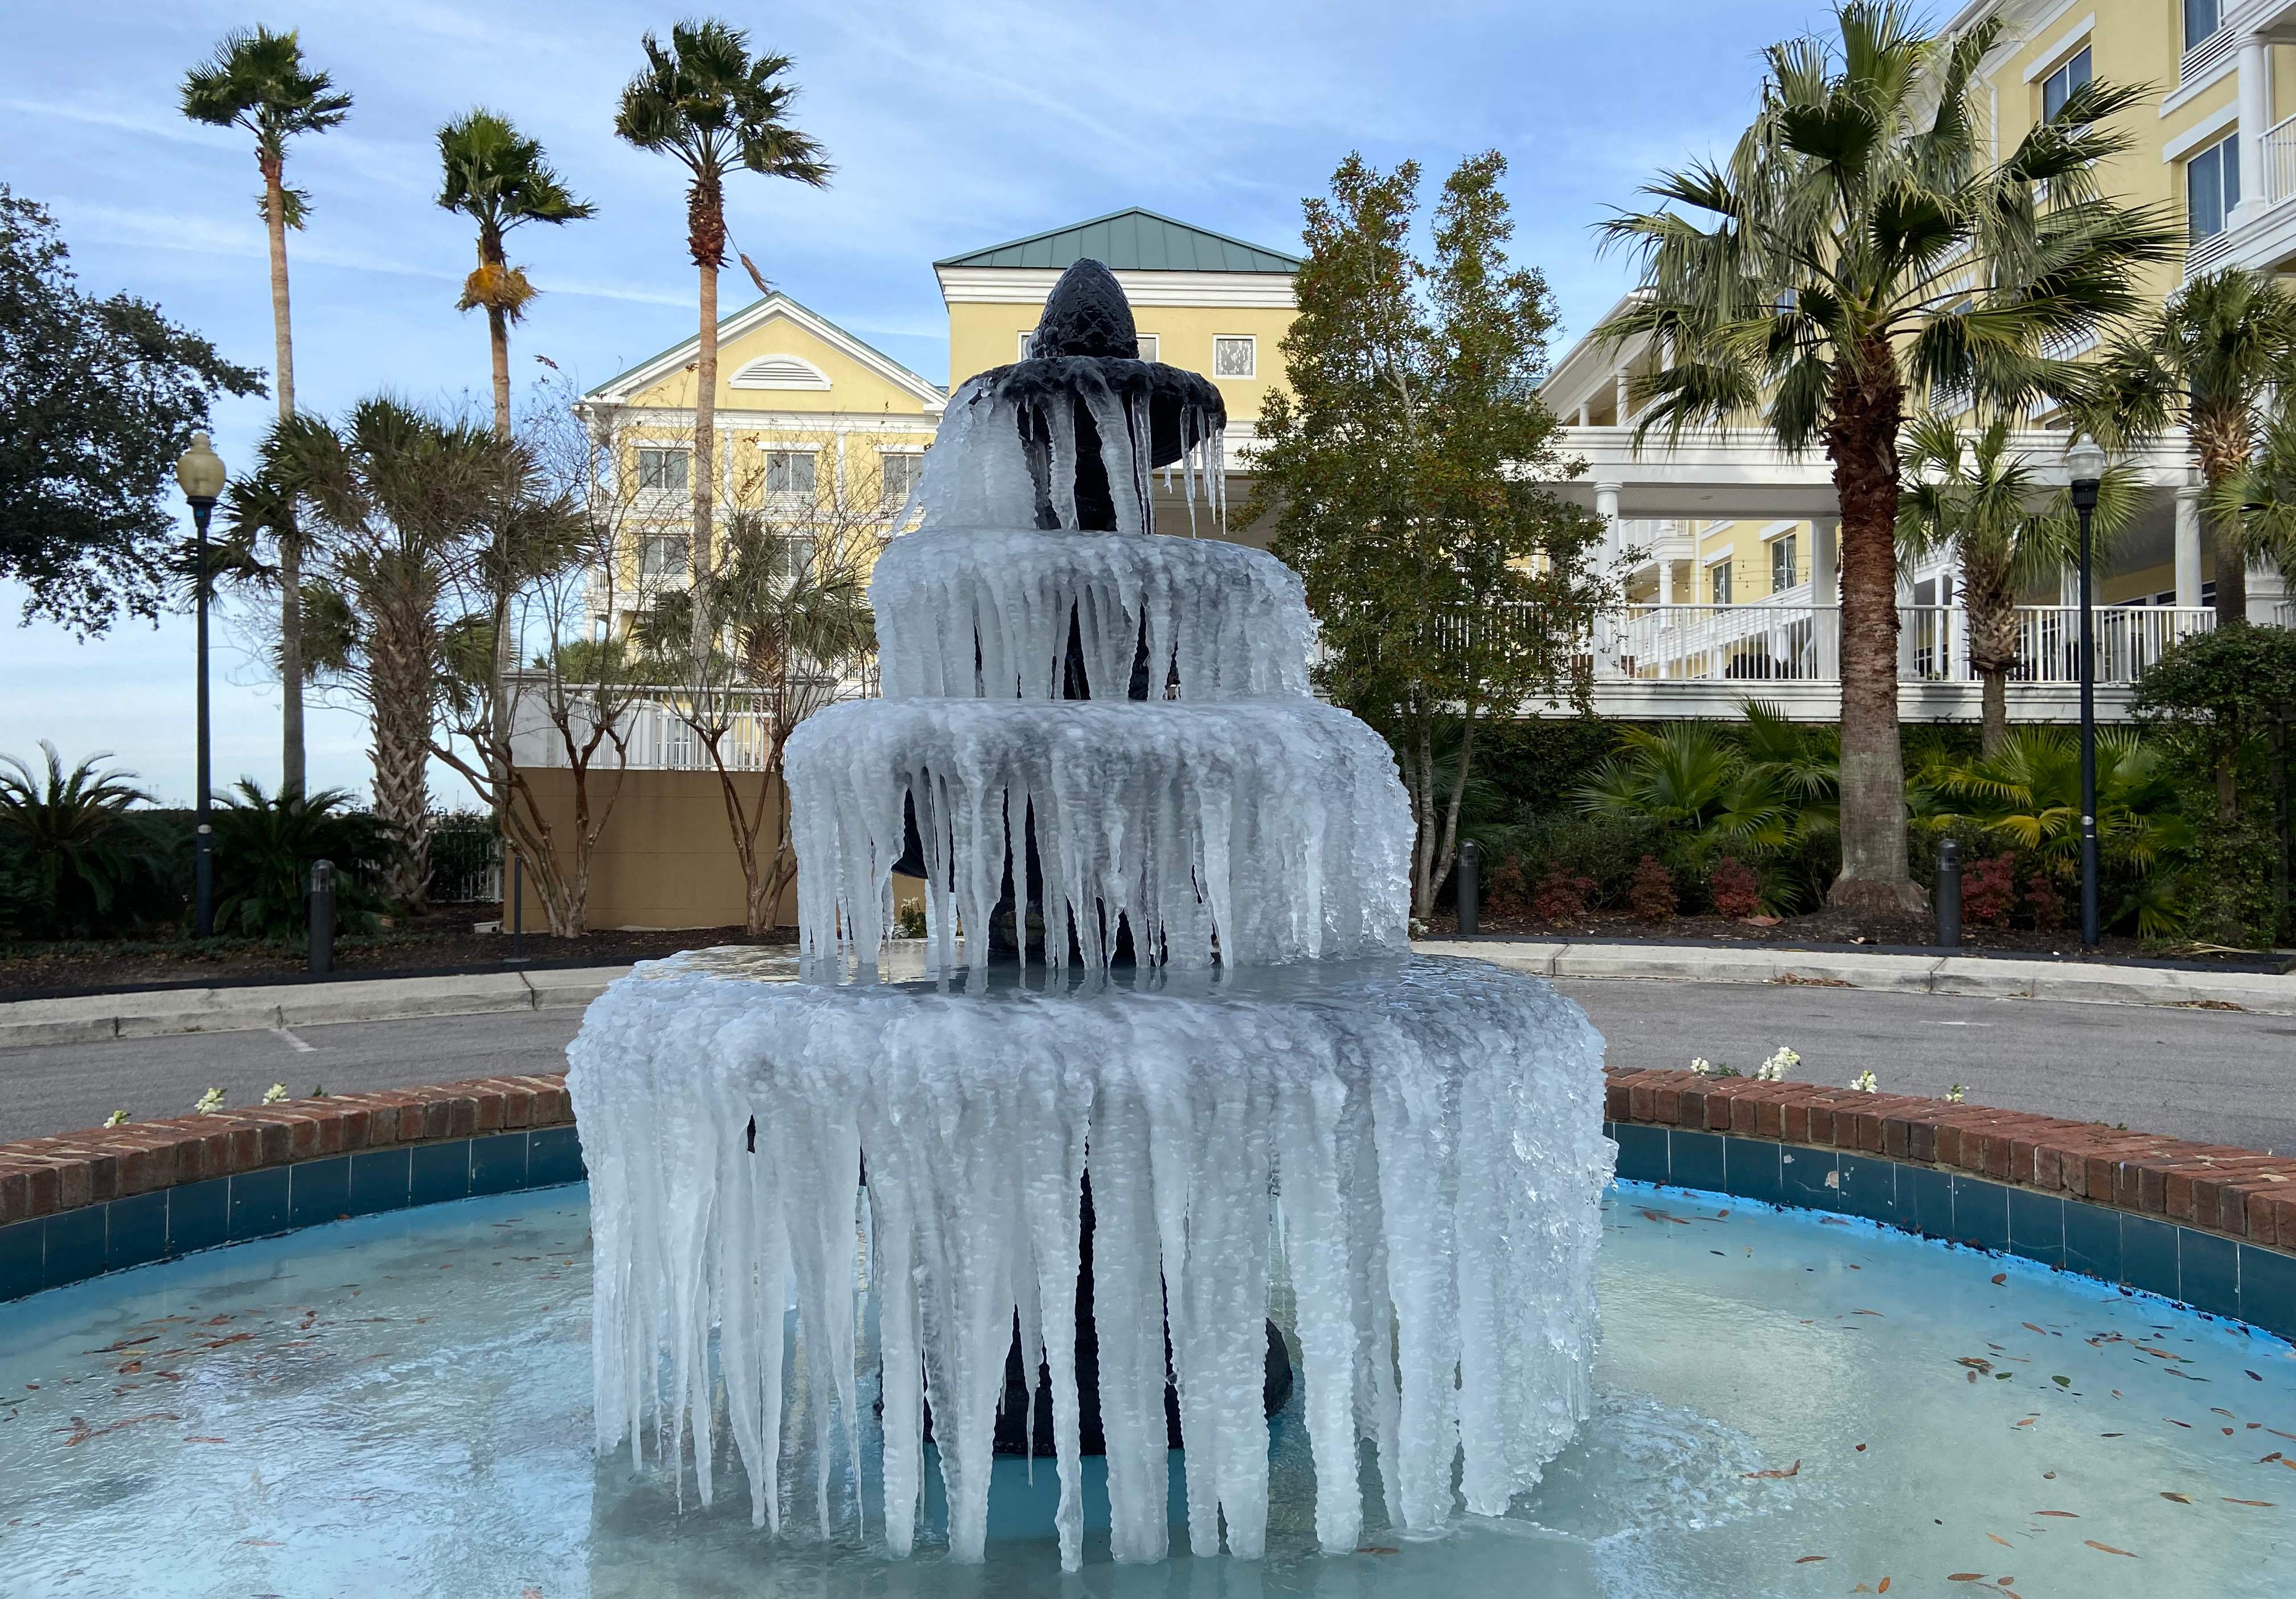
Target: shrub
264,848
909,919
1561,896
1508,892
77,861
1735,888
1651,894
1989,891
2047,904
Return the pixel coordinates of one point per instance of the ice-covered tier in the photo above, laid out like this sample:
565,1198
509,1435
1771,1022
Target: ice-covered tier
1424,1137
1275,828
966,612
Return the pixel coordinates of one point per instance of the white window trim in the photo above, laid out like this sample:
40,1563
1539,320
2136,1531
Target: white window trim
1155,338
1250,338
1026,334
1705,561
2203,134
2068,46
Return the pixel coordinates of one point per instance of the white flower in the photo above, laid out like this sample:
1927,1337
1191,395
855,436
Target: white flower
1775,1069
1702,1065
1864,1082
275,1093
1953,1095
207,1103
117,1119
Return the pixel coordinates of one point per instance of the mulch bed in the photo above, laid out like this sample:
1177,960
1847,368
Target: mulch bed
1846,930
427,945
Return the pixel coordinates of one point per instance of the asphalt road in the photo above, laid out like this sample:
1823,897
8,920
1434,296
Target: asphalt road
2223,1076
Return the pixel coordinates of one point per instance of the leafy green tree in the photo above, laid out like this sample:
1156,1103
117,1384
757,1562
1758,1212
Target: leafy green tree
713,107
97,399
2206,359
83,864
1858,244
1971,495
257,81
497,177
1399,464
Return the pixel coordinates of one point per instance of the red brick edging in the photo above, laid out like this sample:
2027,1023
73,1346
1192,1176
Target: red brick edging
2214,1187
44,1176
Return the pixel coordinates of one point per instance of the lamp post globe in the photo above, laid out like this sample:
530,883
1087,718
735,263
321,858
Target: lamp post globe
2085,468
201,476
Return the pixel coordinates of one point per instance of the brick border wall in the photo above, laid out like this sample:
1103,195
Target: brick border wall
79,1204
2211,1225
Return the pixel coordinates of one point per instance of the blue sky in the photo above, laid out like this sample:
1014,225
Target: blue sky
953,125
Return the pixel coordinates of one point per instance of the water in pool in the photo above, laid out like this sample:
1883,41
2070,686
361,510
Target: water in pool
1787,1405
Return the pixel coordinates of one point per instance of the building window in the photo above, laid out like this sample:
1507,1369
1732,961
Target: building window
663,470
899,471
1782,563
1236,357
2201,20
1717,583
2212,187
2061,85
790,474
662,555
1027,337
1149,345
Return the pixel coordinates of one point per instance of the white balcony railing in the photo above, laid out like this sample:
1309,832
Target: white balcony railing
2279,162
1771,643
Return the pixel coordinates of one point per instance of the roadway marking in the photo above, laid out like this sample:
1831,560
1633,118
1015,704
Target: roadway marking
294,1043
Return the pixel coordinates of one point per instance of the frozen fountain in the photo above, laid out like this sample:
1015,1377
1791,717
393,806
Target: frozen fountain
1097,748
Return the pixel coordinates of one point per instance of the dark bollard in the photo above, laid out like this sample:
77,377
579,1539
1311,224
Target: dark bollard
1470,890
322,918
1948,895
517,910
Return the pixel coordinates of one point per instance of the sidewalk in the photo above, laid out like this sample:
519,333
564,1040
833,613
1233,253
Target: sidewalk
108,1016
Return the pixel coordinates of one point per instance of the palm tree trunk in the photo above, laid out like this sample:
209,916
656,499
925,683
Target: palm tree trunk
1993,714
400,702
2232,572
705,461
1861,438
290,554
505,661
498,343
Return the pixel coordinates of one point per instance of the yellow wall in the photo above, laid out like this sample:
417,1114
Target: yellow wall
853,386
984,335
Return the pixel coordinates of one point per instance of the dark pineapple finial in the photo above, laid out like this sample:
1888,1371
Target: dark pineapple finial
1087,314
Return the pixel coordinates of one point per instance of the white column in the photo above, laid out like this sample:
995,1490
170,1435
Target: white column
2188,545
1606,507
1666,580
2255,100
1618,388
1585,413
1825,593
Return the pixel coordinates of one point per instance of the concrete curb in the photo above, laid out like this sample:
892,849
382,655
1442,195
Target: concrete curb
102,1017
1973,976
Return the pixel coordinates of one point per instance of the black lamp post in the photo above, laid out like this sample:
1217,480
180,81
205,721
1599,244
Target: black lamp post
201,474
2085,463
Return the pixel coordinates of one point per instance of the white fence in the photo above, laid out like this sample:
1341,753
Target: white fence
1773,642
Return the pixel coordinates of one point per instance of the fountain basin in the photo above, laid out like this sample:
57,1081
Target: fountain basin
400,1404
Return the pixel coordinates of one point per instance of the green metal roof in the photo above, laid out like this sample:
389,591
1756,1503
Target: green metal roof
1130,241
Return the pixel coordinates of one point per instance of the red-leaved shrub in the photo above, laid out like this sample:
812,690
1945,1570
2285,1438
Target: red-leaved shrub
1989,891
1508,893
1735,888
2047,905
1561,896
1651,891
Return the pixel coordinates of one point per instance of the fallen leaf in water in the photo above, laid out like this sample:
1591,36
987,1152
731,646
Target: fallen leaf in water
1861,1448
2259,1503
1805,1559
1966,1577
1375,1549
1884,1587
2029,1327
2049,1476
82,1432
2179,1498
2068,1514
129,1368
2029,1420
2253,1377
2062,1382
1865,1313
206,1440
267,1543
2173,1422
2108,1548
2269,1459
2000,1277
1975,1362
2003,1542
1792,1471
130,1343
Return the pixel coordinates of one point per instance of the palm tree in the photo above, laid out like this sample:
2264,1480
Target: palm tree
1976,498
498,178
2207,358
257,81
707,102
76,839
1859,244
